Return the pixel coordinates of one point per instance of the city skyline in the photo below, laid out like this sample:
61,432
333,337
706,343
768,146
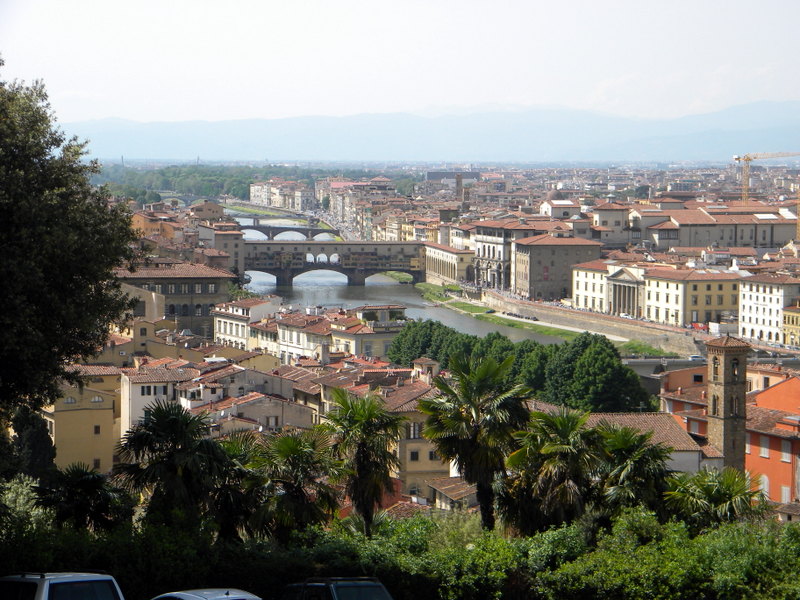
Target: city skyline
202,61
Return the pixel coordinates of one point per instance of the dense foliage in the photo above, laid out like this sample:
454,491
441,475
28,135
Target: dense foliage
60,239
586,373
438,558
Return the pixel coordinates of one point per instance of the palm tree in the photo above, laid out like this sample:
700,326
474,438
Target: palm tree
237,503
84,499
472,420
364,435
710,497
168,457
298,468
633,469
561,453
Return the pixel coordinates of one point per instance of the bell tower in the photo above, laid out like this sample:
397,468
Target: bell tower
727,387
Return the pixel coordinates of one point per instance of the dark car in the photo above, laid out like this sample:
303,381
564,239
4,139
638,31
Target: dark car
337,588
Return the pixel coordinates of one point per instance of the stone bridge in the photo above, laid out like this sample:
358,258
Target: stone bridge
272,230
357,260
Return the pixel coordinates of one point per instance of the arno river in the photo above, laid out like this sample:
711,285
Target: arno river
329,289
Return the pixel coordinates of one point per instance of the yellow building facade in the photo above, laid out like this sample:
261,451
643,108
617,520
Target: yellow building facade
84,421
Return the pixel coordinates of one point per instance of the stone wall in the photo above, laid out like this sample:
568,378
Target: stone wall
667,338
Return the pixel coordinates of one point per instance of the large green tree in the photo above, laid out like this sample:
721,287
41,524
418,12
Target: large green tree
713,496
168,457
299,468
60,241
601,383
365,435
472,422
33,448
84,499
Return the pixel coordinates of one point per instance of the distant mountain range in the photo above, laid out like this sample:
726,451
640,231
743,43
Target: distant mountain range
528,136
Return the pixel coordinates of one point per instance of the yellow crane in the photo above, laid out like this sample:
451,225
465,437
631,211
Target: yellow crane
746,159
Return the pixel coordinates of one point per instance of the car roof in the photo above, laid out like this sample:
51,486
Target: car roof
211,594
52,576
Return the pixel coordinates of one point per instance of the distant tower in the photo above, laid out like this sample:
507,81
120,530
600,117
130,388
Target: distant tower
727,386
459,187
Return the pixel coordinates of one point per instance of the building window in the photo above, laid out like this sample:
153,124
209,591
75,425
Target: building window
96,464
212,288
786,451
146,390
198,310
198,288
171,288
143,331
747,443
764,485
413,455
764,446
97,429
69,400
414,431
786,494
432,455
184,288
97,399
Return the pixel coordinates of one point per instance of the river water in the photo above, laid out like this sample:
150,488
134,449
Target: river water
330,289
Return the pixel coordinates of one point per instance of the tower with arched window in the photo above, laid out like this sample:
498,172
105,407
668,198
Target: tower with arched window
727,387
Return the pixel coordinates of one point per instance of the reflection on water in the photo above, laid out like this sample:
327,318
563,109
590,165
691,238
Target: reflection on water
329,289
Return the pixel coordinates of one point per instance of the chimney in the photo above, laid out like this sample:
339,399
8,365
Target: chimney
680,390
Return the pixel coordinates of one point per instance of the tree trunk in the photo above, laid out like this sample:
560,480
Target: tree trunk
485,496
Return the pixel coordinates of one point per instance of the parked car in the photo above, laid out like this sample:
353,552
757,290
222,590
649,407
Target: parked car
337,588
209,594
696,357
59,586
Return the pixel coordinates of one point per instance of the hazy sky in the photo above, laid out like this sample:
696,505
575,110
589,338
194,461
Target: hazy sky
165,60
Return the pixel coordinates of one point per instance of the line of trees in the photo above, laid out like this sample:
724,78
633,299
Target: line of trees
586,373
212,181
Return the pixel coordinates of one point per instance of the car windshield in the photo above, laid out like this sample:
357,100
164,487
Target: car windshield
102,589
361,591
17,590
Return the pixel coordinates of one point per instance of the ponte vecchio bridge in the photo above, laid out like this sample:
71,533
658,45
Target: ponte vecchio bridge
357,260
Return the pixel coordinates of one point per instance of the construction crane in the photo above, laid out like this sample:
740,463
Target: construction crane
747,159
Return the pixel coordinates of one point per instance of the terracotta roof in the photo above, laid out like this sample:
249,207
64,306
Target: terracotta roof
594,265
772,279
159,375
611,206
454,488
664,225
93,370
727,342
404,509
692,274
403,399
551,240
666,430
174,271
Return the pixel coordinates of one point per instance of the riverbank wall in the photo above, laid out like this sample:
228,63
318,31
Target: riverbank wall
669,339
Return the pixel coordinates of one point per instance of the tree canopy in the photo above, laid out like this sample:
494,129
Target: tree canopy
60,242
586,373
